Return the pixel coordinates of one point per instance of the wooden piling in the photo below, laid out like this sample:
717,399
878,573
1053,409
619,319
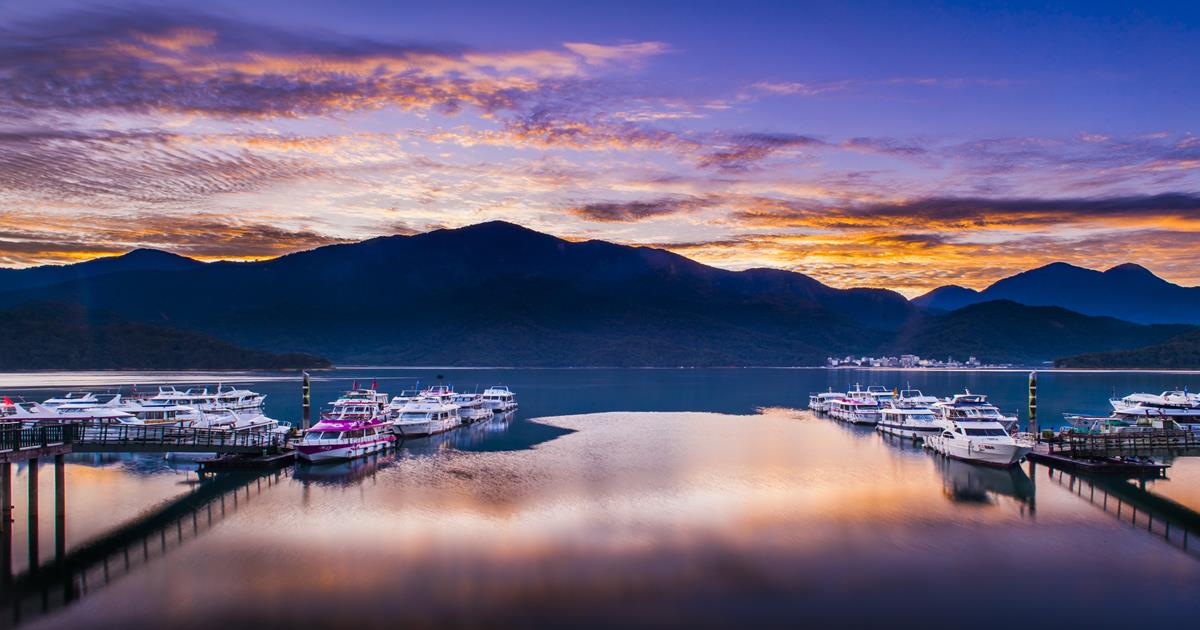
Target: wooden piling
1033,424
306,402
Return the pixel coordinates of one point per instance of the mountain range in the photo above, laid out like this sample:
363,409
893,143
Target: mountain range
500,294
1130,292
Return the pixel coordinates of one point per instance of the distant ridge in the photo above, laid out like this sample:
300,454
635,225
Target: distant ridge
501,294
135,260
1128,291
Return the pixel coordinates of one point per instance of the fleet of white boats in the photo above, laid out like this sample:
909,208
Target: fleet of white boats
963,426
360,422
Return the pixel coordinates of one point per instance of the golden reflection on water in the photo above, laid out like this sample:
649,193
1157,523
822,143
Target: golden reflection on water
662,517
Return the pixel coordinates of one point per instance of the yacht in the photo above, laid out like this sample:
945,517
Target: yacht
881,394
369,396
855,410
471,408
444,393
908,422
31,414
914,399
499,399
344,436
972,407
1172,410
72,398
224,398
979,441
820,401
426,416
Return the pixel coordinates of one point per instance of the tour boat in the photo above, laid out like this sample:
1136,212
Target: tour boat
350,430
224,398
881,393
376,400
819,402
1171,410
31,414
499,399
914,399
855,410
72,398
972,407
908,422
471,408
979,441
444,393
426,416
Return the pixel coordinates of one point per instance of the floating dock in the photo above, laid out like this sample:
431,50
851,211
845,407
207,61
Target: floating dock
1042,455
233,463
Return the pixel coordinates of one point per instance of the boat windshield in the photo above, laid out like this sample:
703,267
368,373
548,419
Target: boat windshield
322,435
986,432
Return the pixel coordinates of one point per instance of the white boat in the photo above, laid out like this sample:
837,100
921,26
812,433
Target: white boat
979,441
376,400
31,414
344,437
908,422
819,402
471,408
444,393
972,407
1170,410
426,416
72,398
881,394
914,399
854,410
222,399
499,399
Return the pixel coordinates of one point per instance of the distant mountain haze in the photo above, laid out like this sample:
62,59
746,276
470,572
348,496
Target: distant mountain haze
500,294
1130,292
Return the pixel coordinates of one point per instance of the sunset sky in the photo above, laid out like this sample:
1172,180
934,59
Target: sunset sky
865,144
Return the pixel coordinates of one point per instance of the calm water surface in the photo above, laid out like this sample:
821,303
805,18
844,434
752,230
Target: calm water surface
700,497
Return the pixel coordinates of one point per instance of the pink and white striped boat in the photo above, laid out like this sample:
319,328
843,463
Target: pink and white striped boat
353,429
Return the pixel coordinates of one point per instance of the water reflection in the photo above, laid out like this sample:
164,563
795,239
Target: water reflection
970,483
633,518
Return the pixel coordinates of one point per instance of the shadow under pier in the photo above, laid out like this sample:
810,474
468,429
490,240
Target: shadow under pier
46,588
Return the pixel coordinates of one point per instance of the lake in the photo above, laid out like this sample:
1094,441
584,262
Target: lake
639,497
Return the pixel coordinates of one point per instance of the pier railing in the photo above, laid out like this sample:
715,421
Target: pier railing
1105,444
101,438
15,438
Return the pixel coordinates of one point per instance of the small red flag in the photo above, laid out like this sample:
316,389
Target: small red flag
7,400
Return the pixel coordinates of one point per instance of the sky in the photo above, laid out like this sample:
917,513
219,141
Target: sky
879,144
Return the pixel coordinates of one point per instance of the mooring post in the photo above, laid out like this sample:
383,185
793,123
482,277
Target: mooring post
6,528
306,402
60,508
32,509
1033,424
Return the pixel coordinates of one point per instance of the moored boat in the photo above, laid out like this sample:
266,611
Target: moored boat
426,416
969,407
979,441
819,402
471,408
499,398
907,422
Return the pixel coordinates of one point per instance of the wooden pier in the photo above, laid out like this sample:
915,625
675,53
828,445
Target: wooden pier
1074,444
1112,464
231,463
18,444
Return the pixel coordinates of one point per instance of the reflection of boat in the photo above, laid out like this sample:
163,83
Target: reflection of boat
337,473
980,442
965,483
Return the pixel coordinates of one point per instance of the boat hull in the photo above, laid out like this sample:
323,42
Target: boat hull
908,431
343,451
986,453
422,429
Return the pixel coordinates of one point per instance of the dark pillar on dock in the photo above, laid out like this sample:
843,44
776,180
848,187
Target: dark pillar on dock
306,402
60,508
6,510
1033,425
33,514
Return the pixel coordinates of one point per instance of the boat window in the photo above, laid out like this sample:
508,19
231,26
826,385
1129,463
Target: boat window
947,434
986,432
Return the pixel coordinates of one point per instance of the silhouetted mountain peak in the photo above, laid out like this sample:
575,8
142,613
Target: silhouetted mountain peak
1133,271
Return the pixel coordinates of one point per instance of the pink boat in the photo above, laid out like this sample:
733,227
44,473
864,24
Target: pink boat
352,429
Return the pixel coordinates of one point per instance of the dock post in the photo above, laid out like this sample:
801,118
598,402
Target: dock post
32,509
6,527
306,402
60,508
1033,424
